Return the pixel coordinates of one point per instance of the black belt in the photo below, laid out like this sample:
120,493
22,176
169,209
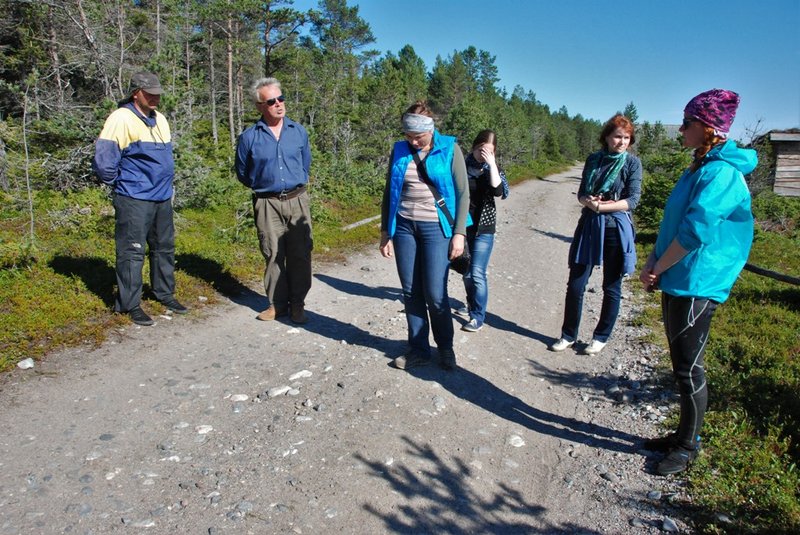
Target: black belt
282,195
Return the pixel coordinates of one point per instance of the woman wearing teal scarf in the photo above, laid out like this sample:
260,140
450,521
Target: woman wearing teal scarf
610,189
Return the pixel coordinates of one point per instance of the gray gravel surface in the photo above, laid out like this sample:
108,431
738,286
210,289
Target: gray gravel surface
215,423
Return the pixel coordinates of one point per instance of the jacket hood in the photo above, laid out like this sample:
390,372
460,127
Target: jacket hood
744,160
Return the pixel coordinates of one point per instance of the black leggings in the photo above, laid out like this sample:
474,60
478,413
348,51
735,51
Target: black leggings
687,321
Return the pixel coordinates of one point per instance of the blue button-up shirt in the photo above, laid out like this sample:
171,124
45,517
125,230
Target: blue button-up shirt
269,165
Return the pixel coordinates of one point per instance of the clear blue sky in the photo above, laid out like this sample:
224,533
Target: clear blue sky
595,57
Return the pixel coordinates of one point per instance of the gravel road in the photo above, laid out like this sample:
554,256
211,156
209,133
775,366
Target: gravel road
215,423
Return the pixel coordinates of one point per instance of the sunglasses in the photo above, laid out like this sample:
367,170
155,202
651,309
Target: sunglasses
272,101
687,122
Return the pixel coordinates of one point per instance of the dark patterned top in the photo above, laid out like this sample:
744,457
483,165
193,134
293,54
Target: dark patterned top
481,196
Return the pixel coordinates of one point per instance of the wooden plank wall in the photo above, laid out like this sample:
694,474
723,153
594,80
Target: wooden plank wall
787,169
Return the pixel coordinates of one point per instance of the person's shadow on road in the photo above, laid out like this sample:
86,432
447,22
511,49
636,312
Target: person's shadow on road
357,288
340,331
554,235
215,274
497,322
483,393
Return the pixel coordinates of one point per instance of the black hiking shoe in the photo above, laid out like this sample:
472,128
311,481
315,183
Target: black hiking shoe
663,444
676,461
139,317
447,359
175,306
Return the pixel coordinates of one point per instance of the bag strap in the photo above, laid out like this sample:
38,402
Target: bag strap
437,197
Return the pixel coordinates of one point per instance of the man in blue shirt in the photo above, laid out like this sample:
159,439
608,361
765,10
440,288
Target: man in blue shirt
273,158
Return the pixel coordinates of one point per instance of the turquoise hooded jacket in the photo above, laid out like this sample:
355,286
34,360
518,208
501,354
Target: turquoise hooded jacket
708,212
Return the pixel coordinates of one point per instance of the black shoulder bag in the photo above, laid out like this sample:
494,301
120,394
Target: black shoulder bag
461,263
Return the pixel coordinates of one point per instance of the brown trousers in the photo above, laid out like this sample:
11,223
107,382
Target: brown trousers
284,235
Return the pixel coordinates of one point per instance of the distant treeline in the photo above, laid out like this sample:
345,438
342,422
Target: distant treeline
65,64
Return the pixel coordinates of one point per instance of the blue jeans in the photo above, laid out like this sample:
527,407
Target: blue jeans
421,250
612,291
480,246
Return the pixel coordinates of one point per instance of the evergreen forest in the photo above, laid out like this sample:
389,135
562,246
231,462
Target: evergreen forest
67,63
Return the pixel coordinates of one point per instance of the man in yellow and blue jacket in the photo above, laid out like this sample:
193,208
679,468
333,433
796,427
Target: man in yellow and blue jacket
133,155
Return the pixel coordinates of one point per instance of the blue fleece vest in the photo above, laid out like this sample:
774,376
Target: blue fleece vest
438,164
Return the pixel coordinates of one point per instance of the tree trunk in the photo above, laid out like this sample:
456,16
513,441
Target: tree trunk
27,161
158,27
121,32
231,96
239,85
189,93
52,49
3,166
239,99
212,87
267,30
83,24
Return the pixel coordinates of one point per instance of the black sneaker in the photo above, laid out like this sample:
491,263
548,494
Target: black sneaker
663,444
676,461
139,317
175,306
447,359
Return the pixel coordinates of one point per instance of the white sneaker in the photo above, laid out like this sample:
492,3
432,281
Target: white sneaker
595,347
560,345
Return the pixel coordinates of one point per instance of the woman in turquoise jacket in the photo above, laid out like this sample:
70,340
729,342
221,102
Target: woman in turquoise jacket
703,243
416,231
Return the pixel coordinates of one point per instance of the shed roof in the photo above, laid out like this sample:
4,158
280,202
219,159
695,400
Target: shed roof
784,136
790,134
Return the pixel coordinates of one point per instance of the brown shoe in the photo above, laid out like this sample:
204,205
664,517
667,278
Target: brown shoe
270,314
299,314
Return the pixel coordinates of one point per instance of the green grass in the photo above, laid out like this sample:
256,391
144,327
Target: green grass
57,290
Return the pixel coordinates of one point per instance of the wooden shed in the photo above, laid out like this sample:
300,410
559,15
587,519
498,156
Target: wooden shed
786,146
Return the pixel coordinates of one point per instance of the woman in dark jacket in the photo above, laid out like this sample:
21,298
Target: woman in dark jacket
486,181
610,188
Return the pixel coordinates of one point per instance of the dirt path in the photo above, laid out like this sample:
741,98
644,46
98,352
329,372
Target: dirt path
174,429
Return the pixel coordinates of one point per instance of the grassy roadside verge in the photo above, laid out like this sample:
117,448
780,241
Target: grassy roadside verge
747,480
58,290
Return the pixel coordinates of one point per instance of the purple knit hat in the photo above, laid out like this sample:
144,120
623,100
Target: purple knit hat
716,108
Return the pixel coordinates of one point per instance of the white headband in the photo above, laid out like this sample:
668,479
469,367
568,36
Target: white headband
414,122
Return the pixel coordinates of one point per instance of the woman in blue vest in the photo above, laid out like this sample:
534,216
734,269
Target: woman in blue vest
417,232
703,243
610,189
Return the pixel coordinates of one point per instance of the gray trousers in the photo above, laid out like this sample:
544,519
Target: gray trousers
139,223
284,236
